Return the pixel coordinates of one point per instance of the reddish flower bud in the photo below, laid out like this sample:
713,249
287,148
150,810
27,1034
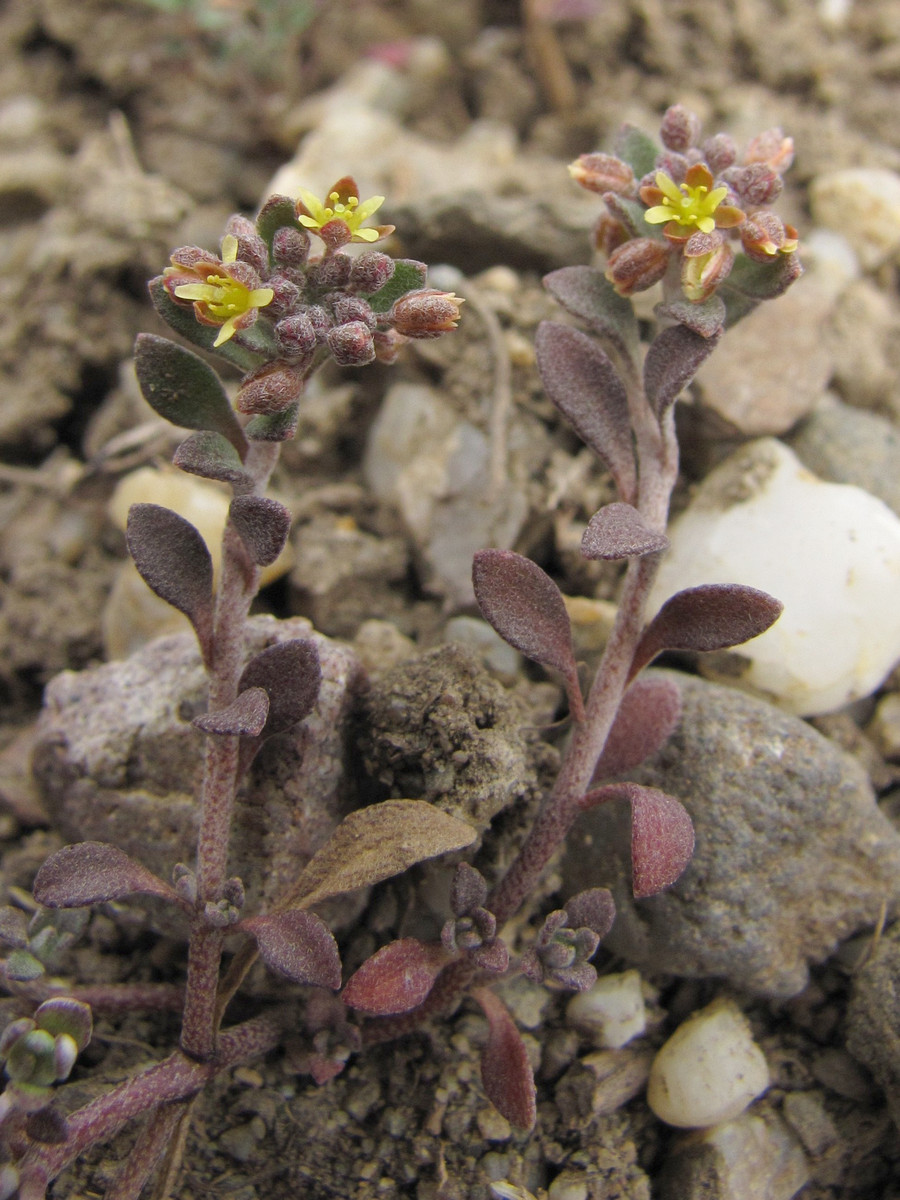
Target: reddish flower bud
771,148
425,314
269,389
353,308
330,273
251,247
720,152
755,185
637,265
290,247
295,336
321,321
603,173
286,295
609,234
680,128
370,271
763,235
352,344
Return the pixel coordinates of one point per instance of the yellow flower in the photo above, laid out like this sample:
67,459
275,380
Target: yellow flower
342,215
692,205
221,297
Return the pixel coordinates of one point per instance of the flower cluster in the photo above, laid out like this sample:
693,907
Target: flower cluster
286,309
709,204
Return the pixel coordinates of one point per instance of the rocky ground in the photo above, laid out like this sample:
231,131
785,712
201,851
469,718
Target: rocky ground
128,127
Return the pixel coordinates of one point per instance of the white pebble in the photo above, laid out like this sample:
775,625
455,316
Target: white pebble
862,203
613,1009
830,552
710,1070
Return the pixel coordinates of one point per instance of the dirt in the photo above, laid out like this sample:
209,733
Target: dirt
128,127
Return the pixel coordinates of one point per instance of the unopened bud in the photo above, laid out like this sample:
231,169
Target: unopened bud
637,265
353,308
680,128
603,173
764,234
251,247
720,152
755,185
352,345
387,345
290,247
425,314
609,234
295,336
371,270
335,234
331,273
270,389
771,148
321,320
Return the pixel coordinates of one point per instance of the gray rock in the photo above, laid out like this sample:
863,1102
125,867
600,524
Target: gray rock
792,853
119,761
873,1018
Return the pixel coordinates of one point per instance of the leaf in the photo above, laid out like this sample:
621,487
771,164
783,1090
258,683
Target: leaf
647,715
274,427
467,891
505,1070
244,716
619,531
588,294
183,389
262,525
408,276
662,835
593,909
92,872
636,148
631,214
713,616
672,361
275,214
527,609
212,456
582,382
291,675
180,317
174,562
299,945
707,318
396,979
376,843
762,281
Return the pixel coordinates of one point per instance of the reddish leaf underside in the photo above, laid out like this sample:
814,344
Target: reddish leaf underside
262,525
291,675
505,1070
647,715
397,978
299,945
619,531
527,609
93,872
662,835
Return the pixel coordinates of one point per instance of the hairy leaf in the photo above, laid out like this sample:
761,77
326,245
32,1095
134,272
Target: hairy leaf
275,214
93,872
64,1014
674,358
662,835
587,293
213,457
762,281
180,317
707,318
619,531
290,674
376,843
397,978
583,384
244,716
408,276
274,427
526,608
468,890
636,148
262,525
648,714
593,909
631,214
183,389
713,616
299,945
505,1070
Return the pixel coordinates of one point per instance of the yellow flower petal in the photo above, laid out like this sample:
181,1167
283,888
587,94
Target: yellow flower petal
229,248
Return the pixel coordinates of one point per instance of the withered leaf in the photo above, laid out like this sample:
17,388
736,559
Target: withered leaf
396,979
262,525
527,609
505,1070
647,716
619,531
299,945
674,358
92,872
291,675
244,716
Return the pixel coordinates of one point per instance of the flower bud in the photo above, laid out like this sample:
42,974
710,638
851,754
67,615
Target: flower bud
603,173
609,234
330,274
295,336
352,344
251,247
755,185
387,345
370,271
637,265
425,314
771,148
353,308
764,234
290,247
189,256
269,389
680,128
335,234
286,294
720,152
708,259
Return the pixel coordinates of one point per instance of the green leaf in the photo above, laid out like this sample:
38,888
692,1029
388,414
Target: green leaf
637,149
212,456
750,281
588,294
180,317
277,213
183,389
274,427
408,276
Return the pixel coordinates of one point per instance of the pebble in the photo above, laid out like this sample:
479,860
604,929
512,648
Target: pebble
873,1017
830,552
709,1071
612,1010
863,204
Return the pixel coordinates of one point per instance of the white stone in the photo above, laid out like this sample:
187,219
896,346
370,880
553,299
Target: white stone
830,552
709,1071
862,203
613,1009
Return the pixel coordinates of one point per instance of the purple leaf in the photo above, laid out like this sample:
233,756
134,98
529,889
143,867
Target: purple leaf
299,945
244,716
468,890
505,1070
212,456
619,531
174,562
593,909
396,979
662,836
526,608
583,384
674,358
707,319
713,616
587,293
492,956
647,715
290,674
262,525
92,872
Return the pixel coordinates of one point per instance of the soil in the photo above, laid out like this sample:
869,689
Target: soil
128,127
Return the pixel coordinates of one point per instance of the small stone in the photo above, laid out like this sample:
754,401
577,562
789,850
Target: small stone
806,1115
829,552
873,1017
709,1071
884,727
570,1185
863,204
612,1010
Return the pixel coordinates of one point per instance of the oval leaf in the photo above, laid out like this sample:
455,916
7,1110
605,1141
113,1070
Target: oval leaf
174,562
583,384
212,456
713,616
593,909
674,358
662,840
262,525
92,872
378,842
619,531
707,318
587,293
505,1070
298,945
527,609
396,978
245,716
291,675
647,715
183,389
